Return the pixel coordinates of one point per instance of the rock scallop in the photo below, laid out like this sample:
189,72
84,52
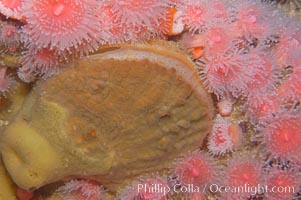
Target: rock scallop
112,117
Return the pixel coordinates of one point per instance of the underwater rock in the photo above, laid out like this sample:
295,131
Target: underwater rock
110,117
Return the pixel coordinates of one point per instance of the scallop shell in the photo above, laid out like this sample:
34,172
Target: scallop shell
111,117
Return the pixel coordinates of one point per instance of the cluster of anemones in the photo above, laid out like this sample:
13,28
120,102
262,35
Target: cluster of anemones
246,51
9,43
56,31
197,175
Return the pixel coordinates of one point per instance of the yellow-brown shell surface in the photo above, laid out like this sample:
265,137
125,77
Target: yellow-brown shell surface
7,188
111,117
